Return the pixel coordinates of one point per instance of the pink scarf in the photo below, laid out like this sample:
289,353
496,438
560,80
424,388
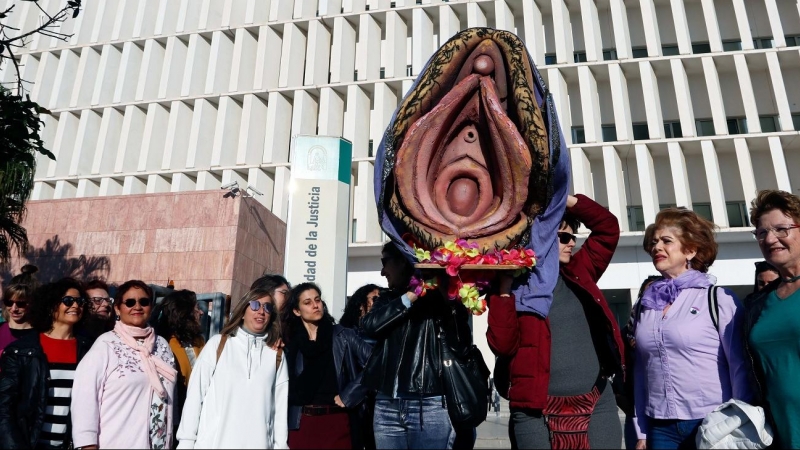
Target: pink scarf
153,366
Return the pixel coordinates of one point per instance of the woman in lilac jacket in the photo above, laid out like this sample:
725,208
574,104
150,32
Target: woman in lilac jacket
685,365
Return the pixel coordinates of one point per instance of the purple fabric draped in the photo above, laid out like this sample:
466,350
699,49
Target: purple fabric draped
664,292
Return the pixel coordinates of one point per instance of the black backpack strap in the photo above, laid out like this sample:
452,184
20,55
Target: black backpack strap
713,306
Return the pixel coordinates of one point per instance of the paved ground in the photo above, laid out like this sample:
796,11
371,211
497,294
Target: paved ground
494,432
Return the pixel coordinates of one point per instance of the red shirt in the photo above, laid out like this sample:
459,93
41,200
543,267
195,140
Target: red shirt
64,351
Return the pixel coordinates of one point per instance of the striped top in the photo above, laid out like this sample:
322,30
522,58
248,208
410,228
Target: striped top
62,357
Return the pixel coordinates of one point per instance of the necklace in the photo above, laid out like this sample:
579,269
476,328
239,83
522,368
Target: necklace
791,279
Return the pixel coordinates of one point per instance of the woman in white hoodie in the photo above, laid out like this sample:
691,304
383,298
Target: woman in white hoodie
237,395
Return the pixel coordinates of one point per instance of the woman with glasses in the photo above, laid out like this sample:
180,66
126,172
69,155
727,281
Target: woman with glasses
123,394
325,365
238,389
772,315
688,357
100,317
38,369
17,296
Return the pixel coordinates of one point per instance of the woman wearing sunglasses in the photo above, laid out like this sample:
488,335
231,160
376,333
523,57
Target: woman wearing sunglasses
16,299
325,365
126,381
237,393
37,371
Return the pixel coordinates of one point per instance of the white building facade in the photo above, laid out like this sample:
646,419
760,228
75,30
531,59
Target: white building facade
692,103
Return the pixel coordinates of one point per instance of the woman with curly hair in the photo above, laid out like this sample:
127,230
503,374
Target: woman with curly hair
17,297
688,359
38,369
359,305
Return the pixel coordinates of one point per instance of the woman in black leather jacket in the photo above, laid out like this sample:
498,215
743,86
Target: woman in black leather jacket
405,366
325,365
34,364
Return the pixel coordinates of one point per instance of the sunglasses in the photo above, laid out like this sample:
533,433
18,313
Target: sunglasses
68,301
565,237
131,302
255,305
21,304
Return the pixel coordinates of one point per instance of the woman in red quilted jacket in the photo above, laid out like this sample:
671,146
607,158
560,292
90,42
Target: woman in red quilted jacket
560,361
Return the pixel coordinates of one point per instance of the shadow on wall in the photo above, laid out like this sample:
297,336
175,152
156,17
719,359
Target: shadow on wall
54,262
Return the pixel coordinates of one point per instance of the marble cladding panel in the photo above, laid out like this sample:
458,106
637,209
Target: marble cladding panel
200,240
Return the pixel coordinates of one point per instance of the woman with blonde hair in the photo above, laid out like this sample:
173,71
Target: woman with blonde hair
772,315
237,394
688,355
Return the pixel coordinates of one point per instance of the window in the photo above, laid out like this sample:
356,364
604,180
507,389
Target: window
703,210
353,231
383,72
640,132
550,58
355,75
370,151
793,41
636,218
796,121
609,133
366,7
392,4
769,124
702,47
705,127
409,70
579,57
731,46
766,42
737,125
737,214
639,52
672,130
670,50
578,135
609,54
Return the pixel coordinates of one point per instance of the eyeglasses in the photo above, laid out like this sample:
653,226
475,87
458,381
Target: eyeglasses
781,231
565,237
131,302
99,300
68,301
21,304
255,305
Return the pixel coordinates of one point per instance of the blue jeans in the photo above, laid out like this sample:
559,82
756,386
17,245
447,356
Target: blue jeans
672,433
412,423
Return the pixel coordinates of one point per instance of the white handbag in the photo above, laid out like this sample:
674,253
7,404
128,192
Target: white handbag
735,424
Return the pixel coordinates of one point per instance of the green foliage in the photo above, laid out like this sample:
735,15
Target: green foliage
19,144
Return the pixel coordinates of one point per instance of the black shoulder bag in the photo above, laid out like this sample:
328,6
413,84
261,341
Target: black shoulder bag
465,381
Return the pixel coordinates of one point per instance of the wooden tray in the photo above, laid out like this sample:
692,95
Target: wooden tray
468,267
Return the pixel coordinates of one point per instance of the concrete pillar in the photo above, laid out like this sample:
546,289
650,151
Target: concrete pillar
590,102
774,16
681,27
581,172
622,34
650,19
396,42
621,102
422,37
317,54
779,162
745,164
534,31
647,183
683,98
743,23
615,186
715,96
748,97
652,100
680,175
562,27
714,178
778,87
712,25
593,40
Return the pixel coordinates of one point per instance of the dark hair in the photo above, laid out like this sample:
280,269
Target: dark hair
131,284
569,220
770,199
761,267
48,298
646,283
270,282
176,317
237,317
357,306
290,322
21,287
393,251
96,283
695,234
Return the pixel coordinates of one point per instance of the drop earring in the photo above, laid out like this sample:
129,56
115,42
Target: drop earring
688,264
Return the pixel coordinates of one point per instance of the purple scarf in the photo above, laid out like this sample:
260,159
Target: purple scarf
664,292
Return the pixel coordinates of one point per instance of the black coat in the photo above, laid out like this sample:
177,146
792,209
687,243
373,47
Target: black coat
753,307
407,347
24,382
350,354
